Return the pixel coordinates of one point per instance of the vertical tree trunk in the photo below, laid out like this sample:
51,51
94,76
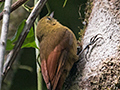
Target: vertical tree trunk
102,69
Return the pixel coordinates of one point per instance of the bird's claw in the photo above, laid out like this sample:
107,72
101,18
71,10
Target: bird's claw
92,41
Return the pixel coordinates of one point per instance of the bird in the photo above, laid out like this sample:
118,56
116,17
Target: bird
58,51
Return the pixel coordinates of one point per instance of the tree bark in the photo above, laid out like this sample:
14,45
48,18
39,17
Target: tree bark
102,69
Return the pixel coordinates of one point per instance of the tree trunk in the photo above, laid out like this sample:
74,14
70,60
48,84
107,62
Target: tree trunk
102,71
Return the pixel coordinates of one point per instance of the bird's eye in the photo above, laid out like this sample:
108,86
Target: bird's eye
49,18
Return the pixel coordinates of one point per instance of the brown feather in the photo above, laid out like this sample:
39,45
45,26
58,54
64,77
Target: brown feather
58,49
45,73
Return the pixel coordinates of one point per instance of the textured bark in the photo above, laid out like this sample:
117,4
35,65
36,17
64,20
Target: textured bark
102,69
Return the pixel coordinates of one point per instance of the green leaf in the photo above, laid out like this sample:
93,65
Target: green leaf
10,45
31,44
30,40
19,31
1,6
10,42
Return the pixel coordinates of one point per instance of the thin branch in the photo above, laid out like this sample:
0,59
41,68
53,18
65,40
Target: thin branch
39,74
26,29
4,31
14,6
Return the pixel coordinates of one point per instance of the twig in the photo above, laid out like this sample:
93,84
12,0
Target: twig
3,39
39,74
26,29
14,6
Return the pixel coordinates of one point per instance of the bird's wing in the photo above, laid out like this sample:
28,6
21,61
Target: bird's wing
54,66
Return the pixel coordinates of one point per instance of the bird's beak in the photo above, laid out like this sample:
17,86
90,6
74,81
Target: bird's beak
52,14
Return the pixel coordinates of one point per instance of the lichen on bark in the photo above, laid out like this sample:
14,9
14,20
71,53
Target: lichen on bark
102,69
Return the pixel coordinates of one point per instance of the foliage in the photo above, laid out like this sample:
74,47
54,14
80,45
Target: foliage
29,41
1,6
